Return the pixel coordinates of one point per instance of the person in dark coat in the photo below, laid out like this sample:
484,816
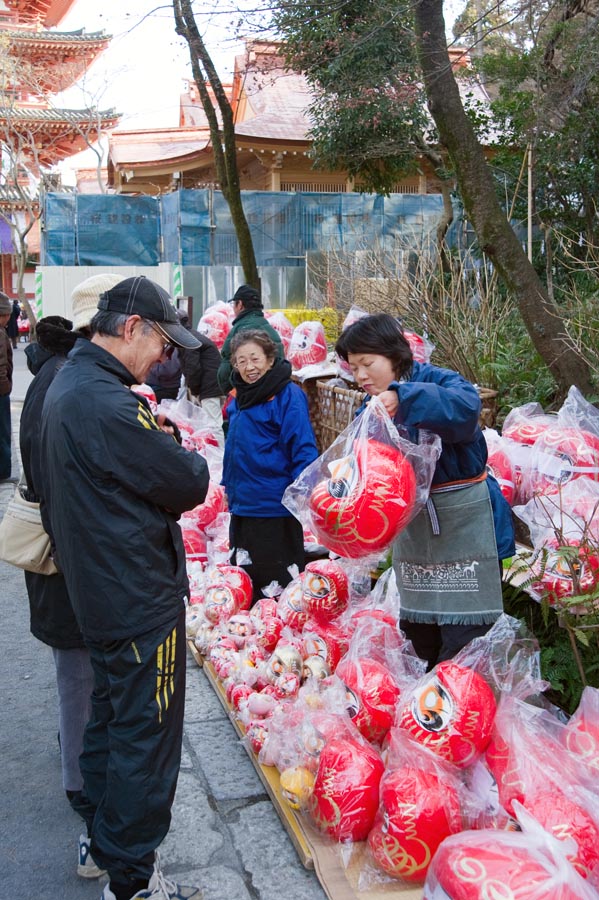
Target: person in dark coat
52,619
447,560
117,482
165,377
13,324
5,390
200,370
248,309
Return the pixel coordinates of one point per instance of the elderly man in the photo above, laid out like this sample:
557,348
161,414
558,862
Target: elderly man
117,480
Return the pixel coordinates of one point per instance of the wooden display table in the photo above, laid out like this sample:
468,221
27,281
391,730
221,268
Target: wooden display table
314,850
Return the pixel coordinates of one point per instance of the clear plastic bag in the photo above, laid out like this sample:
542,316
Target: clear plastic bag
366,487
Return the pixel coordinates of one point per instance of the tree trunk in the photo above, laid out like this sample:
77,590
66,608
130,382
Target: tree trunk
495,235
222,137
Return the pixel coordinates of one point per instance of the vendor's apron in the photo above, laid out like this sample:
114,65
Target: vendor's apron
446,561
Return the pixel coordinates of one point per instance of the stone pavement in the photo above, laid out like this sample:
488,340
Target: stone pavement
225,835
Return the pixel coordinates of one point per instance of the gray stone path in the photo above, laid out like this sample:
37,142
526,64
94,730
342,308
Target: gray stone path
225,835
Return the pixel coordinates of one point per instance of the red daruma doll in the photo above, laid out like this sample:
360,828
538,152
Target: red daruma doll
345,797
451,712
367,500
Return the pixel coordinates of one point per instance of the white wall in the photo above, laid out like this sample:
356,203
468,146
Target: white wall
57,283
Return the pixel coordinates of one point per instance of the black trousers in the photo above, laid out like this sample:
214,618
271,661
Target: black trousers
132,748
435,643
272,545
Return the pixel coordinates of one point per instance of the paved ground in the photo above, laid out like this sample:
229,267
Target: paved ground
225,835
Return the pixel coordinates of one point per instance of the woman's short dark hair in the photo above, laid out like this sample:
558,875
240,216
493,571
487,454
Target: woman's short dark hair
254,336
380,334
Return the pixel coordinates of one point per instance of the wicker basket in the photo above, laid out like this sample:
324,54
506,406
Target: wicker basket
333,411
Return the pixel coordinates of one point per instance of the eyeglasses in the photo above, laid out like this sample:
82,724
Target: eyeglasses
250,363
167,347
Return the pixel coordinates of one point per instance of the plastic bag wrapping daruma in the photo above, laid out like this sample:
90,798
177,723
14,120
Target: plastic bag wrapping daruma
531,765
581,733
568,449
500,463
558,521
451,710
525,865
378,666
522,426
308,345
422,801
366,487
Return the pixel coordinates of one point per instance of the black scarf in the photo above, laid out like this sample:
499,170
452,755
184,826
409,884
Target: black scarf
271,383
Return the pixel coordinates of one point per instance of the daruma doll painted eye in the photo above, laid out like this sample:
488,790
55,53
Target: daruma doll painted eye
451,712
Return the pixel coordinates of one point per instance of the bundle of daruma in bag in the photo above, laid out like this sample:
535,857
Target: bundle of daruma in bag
366,487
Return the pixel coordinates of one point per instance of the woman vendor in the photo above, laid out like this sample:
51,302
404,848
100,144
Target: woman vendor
447,561
269,442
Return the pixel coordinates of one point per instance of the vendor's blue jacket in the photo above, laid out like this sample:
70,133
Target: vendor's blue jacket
267,447
442,401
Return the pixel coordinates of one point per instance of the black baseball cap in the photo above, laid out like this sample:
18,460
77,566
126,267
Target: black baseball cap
246,294
140,296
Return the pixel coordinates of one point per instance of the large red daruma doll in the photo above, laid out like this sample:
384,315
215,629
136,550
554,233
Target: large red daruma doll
451,713
345,797
308,345
372,695
368,499
484,865
562,817
418,810
561,455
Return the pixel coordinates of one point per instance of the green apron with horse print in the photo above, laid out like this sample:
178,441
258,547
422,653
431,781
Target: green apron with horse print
446,563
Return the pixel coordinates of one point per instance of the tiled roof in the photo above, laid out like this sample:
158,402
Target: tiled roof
57,37
161,145
44,114
277,105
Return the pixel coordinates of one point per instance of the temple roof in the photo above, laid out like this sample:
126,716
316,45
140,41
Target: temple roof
168,145
47,136
49,115
80,38
47,12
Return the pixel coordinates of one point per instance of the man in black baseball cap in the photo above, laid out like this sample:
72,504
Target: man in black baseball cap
117,482
142,297
249,313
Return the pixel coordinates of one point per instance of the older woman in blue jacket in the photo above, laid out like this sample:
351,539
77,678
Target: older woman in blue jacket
447,561
269,442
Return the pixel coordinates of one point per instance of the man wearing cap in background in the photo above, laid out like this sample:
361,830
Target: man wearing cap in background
5,389
248,314
52,619
117,481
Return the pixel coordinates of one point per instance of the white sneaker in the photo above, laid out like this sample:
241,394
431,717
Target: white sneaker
160,888
86,867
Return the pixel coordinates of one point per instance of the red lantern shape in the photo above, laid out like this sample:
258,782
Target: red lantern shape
368,499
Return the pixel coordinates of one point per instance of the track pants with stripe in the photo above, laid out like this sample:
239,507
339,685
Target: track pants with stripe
132,747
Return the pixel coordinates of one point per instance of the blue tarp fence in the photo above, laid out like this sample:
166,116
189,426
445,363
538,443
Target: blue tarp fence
194,228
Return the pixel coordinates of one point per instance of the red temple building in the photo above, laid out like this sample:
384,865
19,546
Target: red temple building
38,62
